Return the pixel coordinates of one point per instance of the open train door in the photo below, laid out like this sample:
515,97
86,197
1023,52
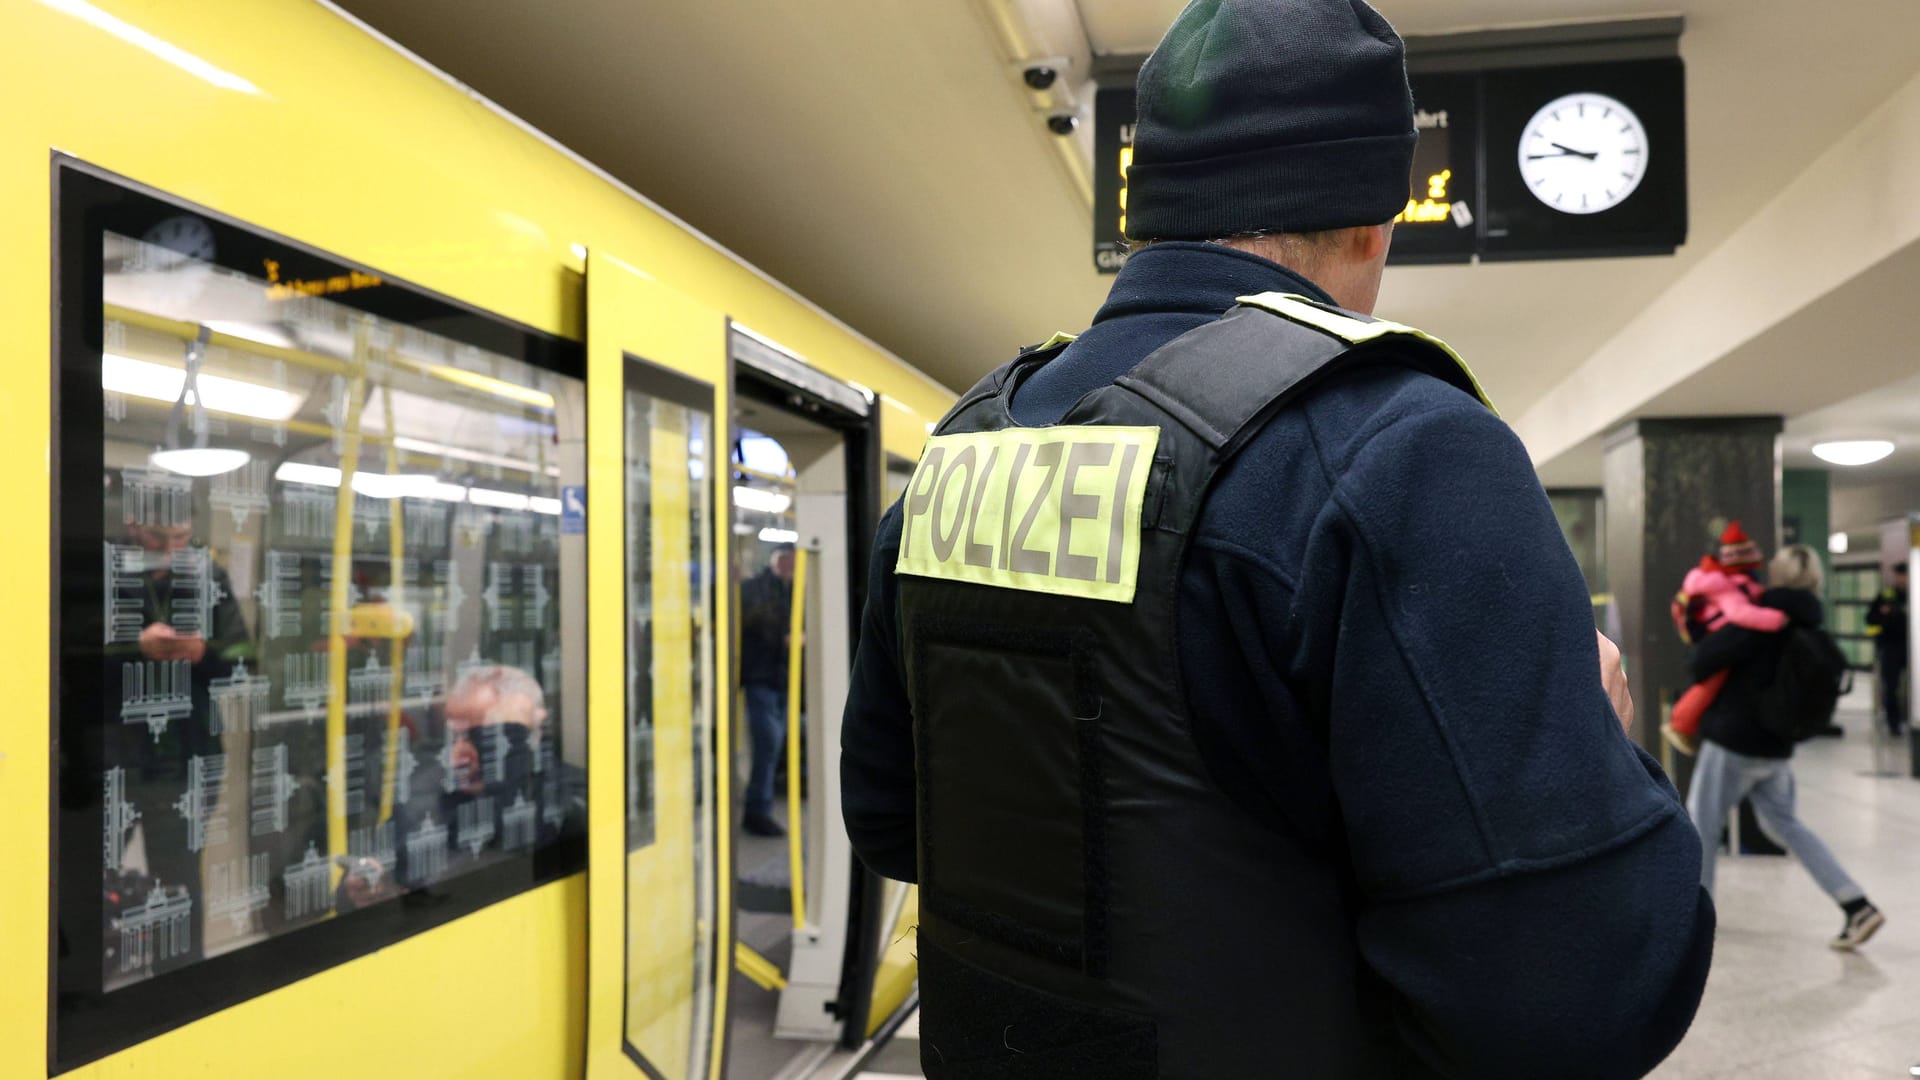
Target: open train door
658,900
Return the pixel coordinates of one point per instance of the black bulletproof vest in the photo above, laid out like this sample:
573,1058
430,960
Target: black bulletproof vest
1092,904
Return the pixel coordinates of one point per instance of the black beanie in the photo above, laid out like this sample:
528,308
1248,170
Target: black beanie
1270,116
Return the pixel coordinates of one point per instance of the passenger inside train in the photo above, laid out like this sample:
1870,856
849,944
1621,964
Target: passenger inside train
1019,538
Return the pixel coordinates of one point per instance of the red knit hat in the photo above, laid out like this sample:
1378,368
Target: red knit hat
1737,551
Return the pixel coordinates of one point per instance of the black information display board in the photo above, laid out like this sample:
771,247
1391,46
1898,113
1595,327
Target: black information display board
1441,221
1551,162
1113,116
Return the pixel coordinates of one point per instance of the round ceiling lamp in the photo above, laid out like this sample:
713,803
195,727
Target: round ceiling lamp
199,460
1853,452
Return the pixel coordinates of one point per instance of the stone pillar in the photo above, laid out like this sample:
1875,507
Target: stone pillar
1671,486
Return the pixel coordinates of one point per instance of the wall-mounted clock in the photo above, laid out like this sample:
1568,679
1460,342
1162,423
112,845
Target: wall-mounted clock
1584,160
1583,153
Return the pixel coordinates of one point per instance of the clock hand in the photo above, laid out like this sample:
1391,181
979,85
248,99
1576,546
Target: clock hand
1576,153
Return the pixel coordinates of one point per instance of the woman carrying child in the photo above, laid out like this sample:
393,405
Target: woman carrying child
1741,759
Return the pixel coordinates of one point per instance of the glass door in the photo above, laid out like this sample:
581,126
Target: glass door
658,907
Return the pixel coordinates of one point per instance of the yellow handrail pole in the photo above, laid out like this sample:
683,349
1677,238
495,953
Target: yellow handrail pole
396,599
188,331
796,628
337,602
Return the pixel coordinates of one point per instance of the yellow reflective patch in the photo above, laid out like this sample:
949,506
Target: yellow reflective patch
1052,510
1303,310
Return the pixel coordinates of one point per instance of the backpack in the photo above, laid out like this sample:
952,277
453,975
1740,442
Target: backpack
1807,684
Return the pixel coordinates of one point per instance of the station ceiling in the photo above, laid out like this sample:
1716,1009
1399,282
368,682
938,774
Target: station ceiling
884,159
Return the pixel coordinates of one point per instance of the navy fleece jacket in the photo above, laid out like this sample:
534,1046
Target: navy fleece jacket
1389,656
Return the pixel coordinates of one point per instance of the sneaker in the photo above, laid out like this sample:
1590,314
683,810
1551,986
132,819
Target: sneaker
1859,926
763,825
1686,744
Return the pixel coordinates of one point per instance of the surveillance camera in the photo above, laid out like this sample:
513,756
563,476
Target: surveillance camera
1040,76
1062,124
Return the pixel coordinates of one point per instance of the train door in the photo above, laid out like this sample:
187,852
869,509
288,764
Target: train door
658,907
806,487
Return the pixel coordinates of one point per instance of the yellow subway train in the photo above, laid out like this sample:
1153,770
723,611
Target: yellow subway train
405,510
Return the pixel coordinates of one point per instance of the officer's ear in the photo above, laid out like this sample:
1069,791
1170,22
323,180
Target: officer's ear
1369,243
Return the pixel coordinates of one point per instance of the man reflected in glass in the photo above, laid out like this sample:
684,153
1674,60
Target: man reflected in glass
188,621
491,783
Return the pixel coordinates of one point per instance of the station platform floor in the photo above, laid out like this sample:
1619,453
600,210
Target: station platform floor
1781,1005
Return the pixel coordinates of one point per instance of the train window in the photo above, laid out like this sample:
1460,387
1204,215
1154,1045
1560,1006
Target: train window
321,638
671,904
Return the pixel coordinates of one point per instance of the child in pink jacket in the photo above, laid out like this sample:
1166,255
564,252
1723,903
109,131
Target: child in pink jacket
1717,593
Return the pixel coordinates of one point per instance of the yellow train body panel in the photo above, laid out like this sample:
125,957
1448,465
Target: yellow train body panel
324,134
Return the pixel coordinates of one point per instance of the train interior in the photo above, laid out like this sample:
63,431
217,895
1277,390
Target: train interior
795,474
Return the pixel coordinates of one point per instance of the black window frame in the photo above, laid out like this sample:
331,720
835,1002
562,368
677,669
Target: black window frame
85,1022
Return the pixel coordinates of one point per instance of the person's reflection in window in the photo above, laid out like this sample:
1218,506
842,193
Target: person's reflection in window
493,786
188,620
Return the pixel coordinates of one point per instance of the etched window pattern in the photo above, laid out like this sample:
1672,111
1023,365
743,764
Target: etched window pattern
155,693
239,890
307,885
271,786
199,803
156,930
328,643
120,816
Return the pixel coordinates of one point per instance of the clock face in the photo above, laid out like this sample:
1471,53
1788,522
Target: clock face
185,236
180,258
1583,153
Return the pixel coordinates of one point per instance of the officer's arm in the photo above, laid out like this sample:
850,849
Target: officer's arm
876,736
1530,881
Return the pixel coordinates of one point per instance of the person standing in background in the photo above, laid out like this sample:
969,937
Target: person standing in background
1887,625
766,603
1741,758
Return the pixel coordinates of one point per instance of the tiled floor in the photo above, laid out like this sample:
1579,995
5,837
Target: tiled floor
1780,1005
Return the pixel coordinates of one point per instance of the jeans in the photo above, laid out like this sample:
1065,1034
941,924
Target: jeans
1893,670
767,726
1721,778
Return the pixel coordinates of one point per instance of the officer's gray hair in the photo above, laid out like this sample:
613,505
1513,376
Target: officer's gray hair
505,682
1297,250
1796,566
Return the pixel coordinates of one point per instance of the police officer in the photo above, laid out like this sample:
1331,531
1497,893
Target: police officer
1226,682
1887,625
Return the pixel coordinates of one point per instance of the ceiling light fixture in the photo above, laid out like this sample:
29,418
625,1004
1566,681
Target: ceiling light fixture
161,382
766,502
199,460
502,500
372,484
1837,544
778,536
1852,452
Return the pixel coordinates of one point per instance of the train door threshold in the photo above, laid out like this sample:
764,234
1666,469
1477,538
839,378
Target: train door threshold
873,1057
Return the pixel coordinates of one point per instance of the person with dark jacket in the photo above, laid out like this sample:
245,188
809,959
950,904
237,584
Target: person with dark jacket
1741,759
1887,625
766,604
1371,812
